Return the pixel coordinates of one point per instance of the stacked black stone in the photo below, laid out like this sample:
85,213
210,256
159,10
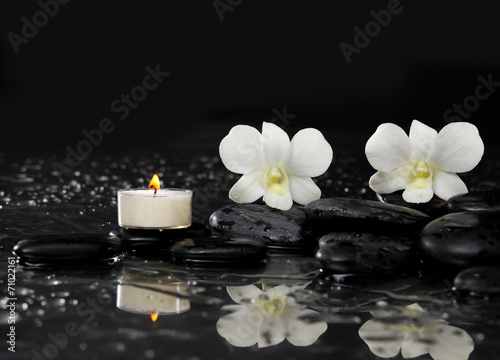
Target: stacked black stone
277,230
365,237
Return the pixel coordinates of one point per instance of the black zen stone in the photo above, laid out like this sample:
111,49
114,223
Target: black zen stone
486,201
480,279
434,208
460,240
344,257
67,249
275,228
354,236
345,212
152,241
212,249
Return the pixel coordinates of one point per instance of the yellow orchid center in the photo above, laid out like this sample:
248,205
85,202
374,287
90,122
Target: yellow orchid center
276,180
271,306
420,175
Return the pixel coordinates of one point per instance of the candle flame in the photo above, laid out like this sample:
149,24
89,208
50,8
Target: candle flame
155,183
154,315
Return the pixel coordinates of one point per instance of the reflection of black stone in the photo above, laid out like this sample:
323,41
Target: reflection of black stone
286,230
341,213
289,269
210,250
434,208
141,241
479,279
487,201
345,257
460,240
361,293
192,273
67,249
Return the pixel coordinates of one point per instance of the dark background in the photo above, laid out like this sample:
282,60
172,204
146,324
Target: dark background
264,55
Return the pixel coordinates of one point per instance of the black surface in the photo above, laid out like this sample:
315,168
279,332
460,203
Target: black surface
215,249
274,61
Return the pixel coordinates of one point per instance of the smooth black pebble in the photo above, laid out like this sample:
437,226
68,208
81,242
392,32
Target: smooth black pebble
354,213
346,257
480,279
67,249
151,241
356,236
485,201
218,250
280,230
434,208
460,240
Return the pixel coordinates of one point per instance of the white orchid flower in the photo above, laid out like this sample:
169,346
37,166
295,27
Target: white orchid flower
273,167
266,317
417,335
424,162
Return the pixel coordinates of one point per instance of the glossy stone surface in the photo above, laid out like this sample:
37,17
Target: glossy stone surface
356,236
479,279
151,241
434,208
275,228
460,240
484,201
344,212
208,250
343,257
70,248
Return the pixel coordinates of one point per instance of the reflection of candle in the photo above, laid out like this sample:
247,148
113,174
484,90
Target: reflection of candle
138,300
156,299
155,208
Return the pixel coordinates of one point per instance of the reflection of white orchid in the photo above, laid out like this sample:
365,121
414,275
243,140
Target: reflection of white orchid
266,317
418,334
273,167
424,162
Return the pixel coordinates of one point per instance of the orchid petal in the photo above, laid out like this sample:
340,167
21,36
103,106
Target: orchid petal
309,154
249,188
281,201
387,182
240,328
276,142
447,184
451,343
300,332
422,139
388,148
383,339
458,148
271,331
240,294
303,189
241,150
413,347
418,194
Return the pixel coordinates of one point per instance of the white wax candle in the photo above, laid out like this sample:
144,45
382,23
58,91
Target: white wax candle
167,209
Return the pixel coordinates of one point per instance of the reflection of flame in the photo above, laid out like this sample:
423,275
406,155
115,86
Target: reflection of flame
154,315
155,183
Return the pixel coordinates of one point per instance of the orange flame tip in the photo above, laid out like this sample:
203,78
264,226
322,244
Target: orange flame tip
155,183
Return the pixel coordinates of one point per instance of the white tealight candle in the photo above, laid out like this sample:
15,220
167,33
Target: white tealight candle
155,208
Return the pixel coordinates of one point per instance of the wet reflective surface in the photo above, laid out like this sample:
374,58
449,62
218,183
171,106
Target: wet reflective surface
144,306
